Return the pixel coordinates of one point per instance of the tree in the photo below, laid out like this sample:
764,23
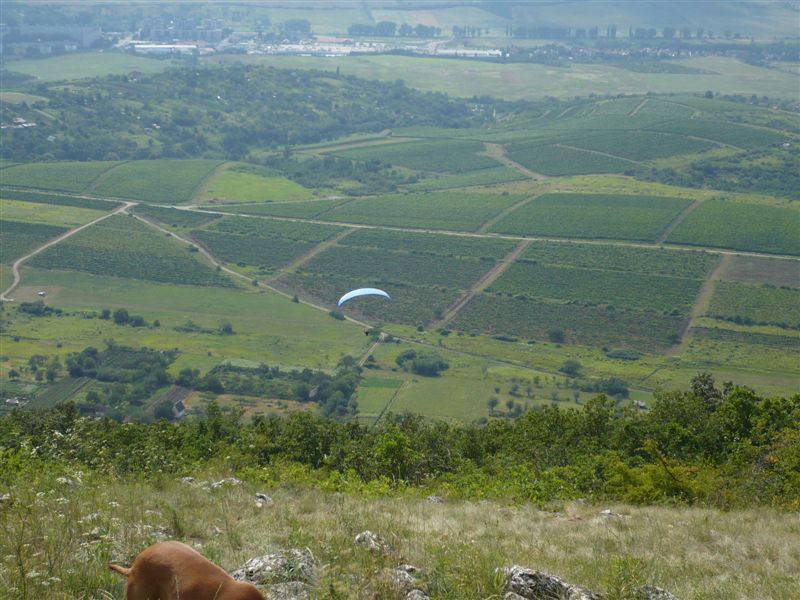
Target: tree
556,336
121,316
492,403
164,410
13,374
571,368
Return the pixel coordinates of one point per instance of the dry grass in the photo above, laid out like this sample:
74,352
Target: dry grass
55,540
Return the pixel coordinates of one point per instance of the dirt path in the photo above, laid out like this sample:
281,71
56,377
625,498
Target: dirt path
676,221
638,107
598,152
54,241
103,176
385,409
485,227
498,152
701,304
485,281
369,350
300,261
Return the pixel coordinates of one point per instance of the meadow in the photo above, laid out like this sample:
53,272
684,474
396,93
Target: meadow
484,177
58,200
157,181
741,226
246,183
267,327
593,216
87,64
441,210
124,247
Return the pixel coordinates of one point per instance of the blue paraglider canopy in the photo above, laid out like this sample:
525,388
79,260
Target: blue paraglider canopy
363,292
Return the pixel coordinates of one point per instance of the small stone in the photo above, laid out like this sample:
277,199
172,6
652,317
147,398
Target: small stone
417,595
512,596
292,590
263,498
435,499
609,514
187,480
652,592
224,482
534,585
372,541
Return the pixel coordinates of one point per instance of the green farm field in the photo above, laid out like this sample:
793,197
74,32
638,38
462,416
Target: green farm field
18,237
440,210
301,210
61,176
741,226
157,181
760,305
124,247
593,216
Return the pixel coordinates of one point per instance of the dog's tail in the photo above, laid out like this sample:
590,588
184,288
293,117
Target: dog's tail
121,570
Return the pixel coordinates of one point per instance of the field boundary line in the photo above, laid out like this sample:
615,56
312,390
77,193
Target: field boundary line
53,242
304,258
679,218
498,152
710,141
638,107
222,267
505,212
701,304
376,141
209,177
485,281
636,162
505,236
104,175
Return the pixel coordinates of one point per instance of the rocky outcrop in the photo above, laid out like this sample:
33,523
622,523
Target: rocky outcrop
652,592
536,585
286,566
372,541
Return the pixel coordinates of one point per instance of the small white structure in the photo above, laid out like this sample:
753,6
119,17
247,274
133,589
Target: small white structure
41,293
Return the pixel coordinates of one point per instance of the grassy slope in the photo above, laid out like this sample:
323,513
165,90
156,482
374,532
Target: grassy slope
48,532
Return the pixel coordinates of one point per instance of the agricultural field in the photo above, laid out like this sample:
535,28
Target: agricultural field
291,230
174,217
576,324
374,393
121,246
447,156
662,261
533,281
429,243
379,267
411,304
740,136
157,181
787,342
249,183
756,305
18,238
53,214
555,160
741,226
59,200
625,217
60,176
490,176
641,145
266,252
757,269
668,108
301,210
441,210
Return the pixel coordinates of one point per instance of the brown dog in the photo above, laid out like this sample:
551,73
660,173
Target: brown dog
174,571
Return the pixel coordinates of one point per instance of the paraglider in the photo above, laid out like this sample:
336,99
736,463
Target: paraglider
363,292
